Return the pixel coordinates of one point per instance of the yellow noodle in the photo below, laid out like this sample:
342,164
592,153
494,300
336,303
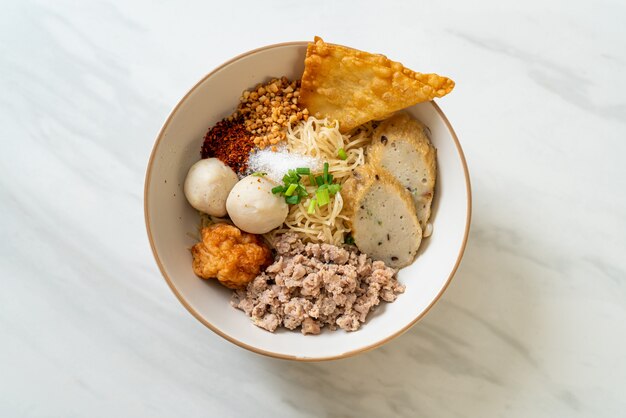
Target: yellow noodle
321,139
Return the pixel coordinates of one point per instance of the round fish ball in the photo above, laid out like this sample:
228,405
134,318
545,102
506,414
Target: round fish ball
207,186
254,208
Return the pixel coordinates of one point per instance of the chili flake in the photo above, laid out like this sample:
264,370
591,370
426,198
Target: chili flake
230,142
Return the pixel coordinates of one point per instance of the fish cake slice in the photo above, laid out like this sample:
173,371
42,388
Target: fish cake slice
382,215
400,146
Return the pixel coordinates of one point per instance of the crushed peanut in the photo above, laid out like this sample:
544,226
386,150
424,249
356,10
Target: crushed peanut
268,109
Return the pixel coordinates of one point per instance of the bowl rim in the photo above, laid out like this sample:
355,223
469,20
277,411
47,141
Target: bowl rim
248,347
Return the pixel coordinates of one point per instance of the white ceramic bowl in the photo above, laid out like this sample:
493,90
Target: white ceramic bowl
170,219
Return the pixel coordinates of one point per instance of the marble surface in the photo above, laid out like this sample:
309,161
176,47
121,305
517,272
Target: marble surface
534,323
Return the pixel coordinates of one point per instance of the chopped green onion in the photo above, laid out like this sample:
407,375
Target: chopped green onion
325,178
319,180
292,188
342,154
329,178
292,200
323,198
259,174
291,177
349,239
334,188
311,208
302,191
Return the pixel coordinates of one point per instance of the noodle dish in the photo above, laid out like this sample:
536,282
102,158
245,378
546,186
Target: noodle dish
315,192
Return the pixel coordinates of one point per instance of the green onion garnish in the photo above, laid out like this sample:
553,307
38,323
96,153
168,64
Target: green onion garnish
334,188
301,190
349,239
294,191
292,200
342,154
323,198
291,177
259,174
292,188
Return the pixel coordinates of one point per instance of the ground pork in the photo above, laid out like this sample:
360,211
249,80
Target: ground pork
310,286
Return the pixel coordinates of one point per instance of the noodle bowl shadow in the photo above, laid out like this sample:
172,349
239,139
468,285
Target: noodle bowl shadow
171,222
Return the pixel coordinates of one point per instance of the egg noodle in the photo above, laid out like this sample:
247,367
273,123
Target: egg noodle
320,138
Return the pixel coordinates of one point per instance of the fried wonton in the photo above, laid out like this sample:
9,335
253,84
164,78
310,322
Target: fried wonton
355,87
232,256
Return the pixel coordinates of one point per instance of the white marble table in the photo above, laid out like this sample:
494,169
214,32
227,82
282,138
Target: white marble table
534,323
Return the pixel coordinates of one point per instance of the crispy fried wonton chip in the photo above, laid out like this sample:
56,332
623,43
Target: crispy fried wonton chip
355,87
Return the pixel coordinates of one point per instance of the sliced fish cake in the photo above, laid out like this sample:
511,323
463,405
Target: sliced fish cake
400,146
383,218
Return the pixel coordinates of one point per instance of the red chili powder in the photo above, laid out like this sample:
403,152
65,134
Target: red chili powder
230,142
